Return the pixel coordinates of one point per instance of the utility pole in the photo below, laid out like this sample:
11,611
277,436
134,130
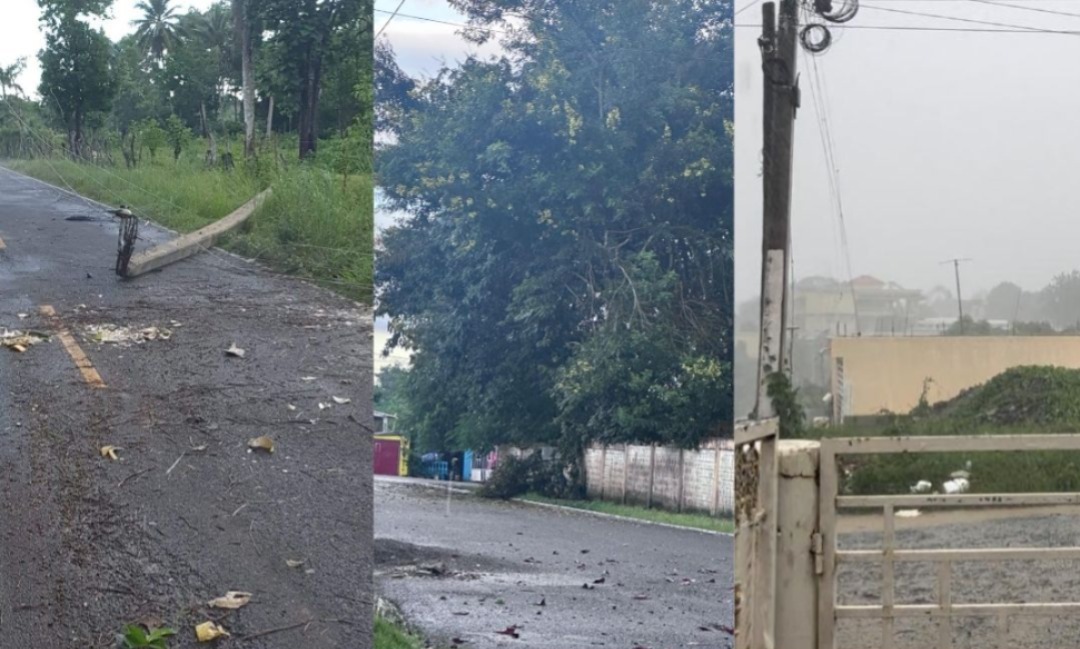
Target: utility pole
778,42
959,301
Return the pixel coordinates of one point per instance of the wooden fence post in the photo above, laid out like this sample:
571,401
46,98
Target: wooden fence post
652,473
682,477
603,472
716,479
625,469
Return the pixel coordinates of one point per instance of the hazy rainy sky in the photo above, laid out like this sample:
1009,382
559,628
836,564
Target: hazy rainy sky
948,143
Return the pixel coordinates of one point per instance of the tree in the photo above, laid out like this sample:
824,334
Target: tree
304,32
1061,300
566,271
241,17
177,135
158,30
75,65
1003,301
8,76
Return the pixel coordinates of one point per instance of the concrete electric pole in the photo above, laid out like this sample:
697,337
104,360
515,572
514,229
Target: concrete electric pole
778,42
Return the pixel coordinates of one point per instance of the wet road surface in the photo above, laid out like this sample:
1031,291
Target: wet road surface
488,566
188,512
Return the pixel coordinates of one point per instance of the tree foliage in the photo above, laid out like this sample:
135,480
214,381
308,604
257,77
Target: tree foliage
566,271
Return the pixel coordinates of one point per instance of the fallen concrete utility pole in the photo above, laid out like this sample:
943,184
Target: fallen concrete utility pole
188,244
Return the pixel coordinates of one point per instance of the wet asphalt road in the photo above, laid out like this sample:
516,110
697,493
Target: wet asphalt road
662,588
87,544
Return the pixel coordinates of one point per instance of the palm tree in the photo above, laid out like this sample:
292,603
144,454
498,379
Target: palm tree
8,76
158,30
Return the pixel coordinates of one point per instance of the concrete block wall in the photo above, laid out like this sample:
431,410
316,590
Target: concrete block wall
700,480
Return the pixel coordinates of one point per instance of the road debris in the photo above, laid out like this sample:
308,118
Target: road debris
20,341
262,443
233,599
294,563
341,400
109,451
511,631
235,351
124,336
209,631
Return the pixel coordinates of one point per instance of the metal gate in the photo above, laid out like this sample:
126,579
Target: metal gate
945,610
755,533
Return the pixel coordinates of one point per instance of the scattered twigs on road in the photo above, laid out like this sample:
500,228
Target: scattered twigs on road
170,469
287,627
133,475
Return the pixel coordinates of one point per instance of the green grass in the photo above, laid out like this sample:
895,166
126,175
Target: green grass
696,521
391,636
314,225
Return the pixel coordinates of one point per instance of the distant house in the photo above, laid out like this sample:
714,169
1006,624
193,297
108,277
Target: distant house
391,453
384,422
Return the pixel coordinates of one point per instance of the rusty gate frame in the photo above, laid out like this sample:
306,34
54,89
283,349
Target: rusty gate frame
831,501
756,508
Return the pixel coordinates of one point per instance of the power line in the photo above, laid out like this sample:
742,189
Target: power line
1055,12
973,21
747,6
389,20
957,30
443,22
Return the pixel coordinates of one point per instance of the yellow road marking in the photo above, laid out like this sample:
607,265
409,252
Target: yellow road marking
93,379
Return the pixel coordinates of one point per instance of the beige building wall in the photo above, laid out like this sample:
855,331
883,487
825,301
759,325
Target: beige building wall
886,373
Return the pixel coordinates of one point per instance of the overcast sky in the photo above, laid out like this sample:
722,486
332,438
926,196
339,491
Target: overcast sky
948,143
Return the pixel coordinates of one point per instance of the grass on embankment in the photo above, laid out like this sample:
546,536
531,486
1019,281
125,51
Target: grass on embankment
391,636
1019,401
696,521
313,226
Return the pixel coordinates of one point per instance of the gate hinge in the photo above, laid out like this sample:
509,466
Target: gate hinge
817,546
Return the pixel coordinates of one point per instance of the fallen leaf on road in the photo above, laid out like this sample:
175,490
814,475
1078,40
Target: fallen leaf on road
307,378
208,631
730,630
294,563
291,407
599,581
233,350
510,631
457,641
323,406
588,586
200,448
23,316
640,597
232,600
461,612
542,602
109,451
341,400
262,442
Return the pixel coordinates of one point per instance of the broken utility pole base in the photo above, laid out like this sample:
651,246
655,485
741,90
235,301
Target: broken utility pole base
191,243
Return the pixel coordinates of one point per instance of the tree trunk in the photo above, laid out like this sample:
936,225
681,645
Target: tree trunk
309,107
247,73
270,119
211,154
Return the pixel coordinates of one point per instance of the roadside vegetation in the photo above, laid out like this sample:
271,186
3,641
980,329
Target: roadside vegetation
697,521
1019,401
192,114
389,635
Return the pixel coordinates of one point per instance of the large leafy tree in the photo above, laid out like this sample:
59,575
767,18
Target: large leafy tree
75,64
566,271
